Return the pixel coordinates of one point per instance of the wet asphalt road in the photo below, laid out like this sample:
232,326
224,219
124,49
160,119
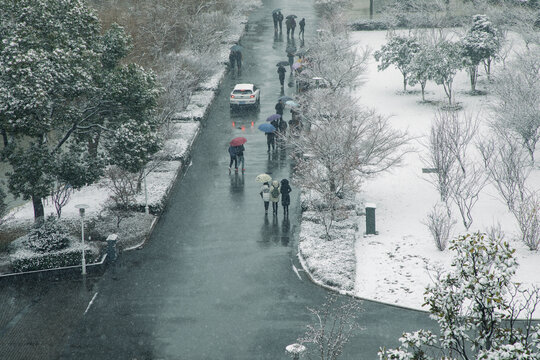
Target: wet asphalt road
216,279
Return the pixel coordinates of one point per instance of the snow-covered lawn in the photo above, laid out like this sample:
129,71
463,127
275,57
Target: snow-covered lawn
393,266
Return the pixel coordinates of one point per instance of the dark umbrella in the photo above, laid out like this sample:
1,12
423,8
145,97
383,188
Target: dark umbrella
273,117
238,141
276,10
285,98
267,128
283,63
237,48
291,16
290,50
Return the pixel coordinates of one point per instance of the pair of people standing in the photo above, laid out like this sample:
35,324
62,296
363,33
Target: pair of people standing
235,58
277,16
271,194
236,154
290,23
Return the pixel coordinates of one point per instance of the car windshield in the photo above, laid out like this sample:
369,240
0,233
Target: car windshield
243,92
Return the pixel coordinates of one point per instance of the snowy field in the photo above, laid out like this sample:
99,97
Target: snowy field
394,266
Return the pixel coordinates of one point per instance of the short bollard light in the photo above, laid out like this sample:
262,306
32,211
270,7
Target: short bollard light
295,350
82,208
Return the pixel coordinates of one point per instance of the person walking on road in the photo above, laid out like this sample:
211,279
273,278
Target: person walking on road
232,154
281,71
279,108
274,196
302,24
232,60
293,26
285,197
240,156
280,21
239,59
288,25
265,196
275,18
271,140
290,57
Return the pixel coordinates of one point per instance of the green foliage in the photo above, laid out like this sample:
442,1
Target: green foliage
47,236
398,51
70,94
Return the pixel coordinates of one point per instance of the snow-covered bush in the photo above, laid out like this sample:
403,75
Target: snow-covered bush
48,236
476,305
24,260
440,225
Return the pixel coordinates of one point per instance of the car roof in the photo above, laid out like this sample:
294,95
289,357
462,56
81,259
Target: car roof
243,87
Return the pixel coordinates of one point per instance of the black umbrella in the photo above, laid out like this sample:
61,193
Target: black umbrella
302,52
291,16
283,63
276,10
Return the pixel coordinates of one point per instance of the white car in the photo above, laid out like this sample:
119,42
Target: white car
245,95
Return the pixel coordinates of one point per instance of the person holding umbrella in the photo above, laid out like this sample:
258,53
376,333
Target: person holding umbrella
281,73
285,197
232,60
238,144
265,190
279,108
302,24
232,154
275,18
274,196
270,136
293,26
288,25
280,21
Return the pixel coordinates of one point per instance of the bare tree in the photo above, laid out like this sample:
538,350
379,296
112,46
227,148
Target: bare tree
333,57
60,196
517,91
440,225
335,324
507,167
466,184
123,186
344,146
457,177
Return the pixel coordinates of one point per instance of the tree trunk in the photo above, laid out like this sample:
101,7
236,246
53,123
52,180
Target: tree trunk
39,211
423,86
93,144
5,138
473,74
404,82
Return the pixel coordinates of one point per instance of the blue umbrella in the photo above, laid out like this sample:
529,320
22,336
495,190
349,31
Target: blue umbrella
285,98
267,128
273,117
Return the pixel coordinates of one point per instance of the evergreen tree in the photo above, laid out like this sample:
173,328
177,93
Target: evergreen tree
69,95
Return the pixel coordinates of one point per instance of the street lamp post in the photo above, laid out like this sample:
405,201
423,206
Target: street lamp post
82,208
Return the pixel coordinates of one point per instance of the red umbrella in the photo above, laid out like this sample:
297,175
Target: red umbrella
238,141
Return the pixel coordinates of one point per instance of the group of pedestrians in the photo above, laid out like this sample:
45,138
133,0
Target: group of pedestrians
236,154
290,23
271,193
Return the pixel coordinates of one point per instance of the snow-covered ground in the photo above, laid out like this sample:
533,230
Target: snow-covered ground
392,267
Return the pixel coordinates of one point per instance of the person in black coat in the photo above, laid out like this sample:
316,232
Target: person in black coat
240,156
285,198
275,18
293,26
279,108
270,140
281,71
280,21
302,24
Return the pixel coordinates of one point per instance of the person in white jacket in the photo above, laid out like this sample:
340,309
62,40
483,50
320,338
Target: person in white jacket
265,195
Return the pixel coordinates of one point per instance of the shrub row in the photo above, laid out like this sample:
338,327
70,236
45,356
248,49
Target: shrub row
30,261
